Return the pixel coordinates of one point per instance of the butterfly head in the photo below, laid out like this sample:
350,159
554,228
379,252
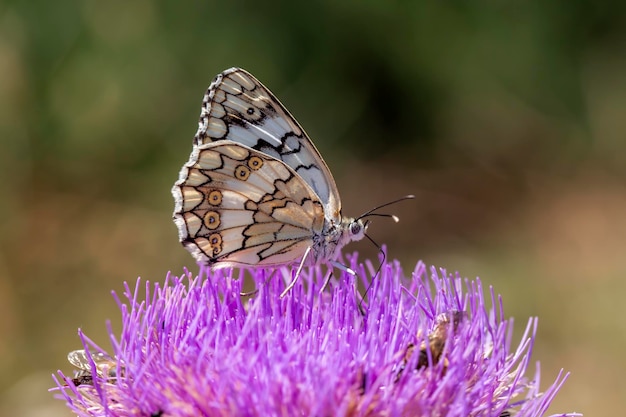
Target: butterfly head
354,229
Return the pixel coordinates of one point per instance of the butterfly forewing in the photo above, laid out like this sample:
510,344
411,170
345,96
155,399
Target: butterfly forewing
238,108
236,205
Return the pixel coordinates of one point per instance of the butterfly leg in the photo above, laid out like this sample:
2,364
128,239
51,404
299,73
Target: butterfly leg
293,281
249,293
335,264
241,279
329,275
354,274
253,292
344,268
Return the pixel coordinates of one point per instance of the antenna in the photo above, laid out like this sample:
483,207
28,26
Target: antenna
371,213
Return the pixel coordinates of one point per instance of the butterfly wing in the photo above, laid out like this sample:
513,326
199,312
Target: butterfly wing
236,205
238,108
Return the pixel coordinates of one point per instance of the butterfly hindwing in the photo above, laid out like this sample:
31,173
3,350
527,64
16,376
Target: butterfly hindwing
238,108
236,205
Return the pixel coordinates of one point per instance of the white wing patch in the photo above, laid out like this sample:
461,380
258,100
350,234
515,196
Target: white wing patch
238,108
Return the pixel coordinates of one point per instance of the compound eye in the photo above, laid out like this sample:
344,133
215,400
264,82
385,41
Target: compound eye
355,228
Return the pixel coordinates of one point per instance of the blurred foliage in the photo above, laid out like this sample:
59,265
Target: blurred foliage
504,118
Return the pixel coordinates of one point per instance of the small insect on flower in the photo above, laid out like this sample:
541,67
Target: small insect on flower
436,341
106,366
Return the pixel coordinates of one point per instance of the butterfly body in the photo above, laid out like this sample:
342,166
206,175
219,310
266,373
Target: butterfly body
255,191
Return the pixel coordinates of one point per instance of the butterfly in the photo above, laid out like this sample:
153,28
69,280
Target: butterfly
256,191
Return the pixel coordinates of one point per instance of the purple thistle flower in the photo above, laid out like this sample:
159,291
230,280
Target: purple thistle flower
429,345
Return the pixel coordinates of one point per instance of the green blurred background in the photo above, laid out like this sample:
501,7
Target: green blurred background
505,119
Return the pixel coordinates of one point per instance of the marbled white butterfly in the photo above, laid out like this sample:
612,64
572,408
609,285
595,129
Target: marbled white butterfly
256,192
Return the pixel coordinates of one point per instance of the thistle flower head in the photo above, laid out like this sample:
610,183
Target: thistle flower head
429,344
